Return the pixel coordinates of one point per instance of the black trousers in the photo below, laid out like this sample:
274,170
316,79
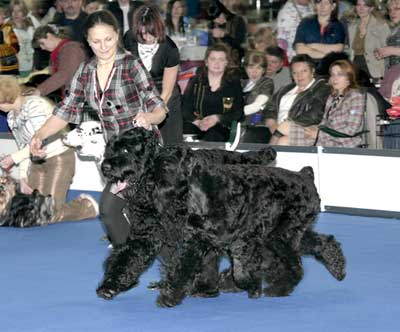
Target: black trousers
114,222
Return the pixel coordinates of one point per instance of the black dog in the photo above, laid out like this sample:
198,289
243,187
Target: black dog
22,210
260,217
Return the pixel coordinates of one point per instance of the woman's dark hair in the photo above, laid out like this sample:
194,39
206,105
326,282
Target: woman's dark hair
335,11
104,17
42,31
148,19
303,58
168,18
216,8
348,68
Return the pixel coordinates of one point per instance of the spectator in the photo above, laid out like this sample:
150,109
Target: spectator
297,105
24,29
160,56
175,19
73,18
65,58
213,99
118,87
123,11
367,33
321,34
279,74
53,175
343,120
227,28
9,46
289,17
391,52
93,5
257,88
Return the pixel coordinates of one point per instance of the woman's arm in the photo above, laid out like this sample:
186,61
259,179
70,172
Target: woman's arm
255,106
69,60
52,126
188,106
168,83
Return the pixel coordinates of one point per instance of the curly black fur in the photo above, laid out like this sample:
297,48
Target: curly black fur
28,210
200,205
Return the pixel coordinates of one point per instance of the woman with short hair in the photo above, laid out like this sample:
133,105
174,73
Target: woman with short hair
213,99
297,105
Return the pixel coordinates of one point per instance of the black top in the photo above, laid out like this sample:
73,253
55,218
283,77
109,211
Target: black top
166,56
116,10
199,101
75,27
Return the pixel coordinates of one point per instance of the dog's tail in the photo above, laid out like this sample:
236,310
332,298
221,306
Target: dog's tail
308,172
326,249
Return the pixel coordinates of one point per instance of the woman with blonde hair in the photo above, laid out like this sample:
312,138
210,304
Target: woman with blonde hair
52,175
24,28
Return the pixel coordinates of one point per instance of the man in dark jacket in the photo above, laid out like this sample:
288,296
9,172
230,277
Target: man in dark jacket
123,12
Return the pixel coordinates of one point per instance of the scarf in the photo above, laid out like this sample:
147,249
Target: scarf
146,53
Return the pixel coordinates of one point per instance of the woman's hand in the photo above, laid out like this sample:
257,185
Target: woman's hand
6,162
383,52
311,132
284,128
208,122
31,91
143,120
25,189
36,147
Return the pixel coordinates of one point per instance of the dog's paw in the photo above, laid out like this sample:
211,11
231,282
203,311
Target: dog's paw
106,293
164,301
206,293
227,284
277,291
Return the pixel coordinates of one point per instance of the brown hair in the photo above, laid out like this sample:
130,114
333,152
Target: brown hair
347,67
219,47
148,19
9,89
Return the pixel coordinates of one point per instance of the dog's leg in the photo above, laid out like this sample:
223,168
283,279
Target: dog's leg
245,267
282,268
181,271
326,250
124,267
206,282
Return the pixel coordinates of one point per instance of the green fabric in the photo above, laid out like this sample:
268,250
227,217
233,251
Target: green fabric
335,133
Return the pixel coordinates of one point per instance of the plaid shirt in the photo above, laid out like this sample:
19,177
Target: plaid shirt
344,114
129,90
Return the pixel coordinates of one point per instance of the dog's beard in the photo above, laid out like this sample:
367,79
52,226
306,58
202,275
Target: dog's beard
7,192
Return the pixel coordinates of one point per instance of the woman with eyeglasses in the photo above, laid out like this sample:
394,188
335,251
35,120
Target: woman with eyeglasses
147,40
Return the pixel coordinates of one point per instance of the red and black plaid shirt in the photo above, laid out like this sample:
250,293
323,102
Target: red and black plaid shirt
129,90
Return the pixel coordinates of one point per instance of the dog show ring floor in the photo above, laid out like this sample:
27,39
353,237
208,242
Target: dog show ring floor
49,276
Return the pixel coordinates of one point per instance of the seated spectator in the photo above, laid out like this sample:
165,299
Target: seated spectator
24,29
262,39
257,88
279,74
228,28
9,46
297,105
289,18
366,33
53,175
160,56
174,18
52,12
321,34
342,125
213,99
65,57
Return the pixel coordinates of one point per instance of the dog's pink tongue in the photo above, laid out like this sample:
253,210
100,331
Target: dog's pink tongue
121,186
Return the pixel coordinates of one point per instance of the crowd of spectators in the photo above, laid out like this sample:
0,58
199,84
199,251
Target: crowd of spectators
264,70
